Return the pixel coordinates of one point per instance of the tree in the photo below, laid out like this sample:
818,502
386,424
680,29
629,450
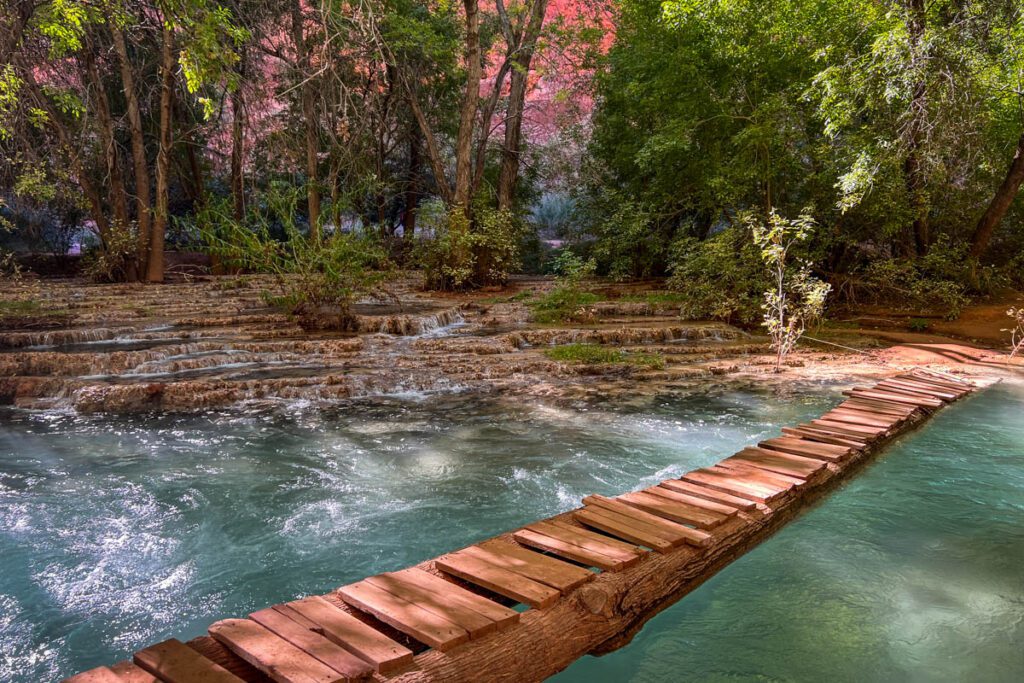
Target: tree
796,298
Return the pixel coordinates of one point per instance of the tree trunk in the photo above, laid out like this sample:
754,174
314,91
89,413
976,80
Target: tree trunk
510,154
412,187
308,98
155,264
913,169
143,210
238,145
119,196
470,102
1000,204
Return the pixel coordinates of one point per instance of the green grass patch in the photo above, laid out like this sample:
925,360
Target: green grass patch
20,308
561,305
596,354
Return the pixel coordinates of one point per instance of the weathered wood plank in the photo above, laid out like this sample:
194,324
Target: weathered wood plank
580,545
714,495
732,485
534,565
620,526
274,656
312,643
809,449
669,530
498,580
675,511
783,463
344,630
174,662
473,612
823,437
407,617
710,505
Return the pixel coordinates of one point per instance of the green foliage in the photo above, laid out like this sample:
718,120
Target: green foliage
457,254
561,305
110,260
939,281
320,280
567,300
721,278
795,299
628,242
919,325
595,354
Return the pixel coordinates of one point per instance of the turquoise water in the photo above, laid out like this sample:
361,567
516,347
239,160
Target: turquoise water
117,532
914,571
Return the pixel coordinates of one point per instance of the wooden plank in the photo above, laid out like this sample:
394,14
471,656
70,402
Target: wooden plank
473,612
823,437
498,580
879,407
534,565
312,643
857,417
943,378
611,552
100,674
958,391
407,617
860,431
673,510
274,656
780,482
782,463
848,434
619,526
344,630
947,395
670,531
128,672
689,499
174,662
898,387
891,397
808,449
731,485
701,491
571,551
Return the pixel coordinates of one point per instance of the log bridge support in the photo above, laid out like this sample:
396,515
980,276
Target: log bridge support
589,578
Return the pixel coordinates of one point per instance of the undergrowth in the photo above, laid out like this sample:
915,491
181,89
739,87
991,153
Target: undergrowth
596,354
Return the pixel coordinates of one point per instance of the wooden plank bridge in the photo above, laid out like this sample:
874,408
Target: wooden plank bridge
524,605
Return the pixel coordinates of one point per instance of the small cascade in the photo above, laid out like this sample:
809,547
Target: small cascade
49,338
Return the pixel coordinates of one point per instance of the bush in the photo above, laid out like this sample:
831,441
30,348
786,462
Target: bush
568,297
112,260
941,281
722,277
456,254
319,279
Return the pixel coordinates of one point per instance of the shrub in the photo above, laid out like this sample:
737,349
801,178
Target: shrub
457,254
722,277
319,279
112,260
568,297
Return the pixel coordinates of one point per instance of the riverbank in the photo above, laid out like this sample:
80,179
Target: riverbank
214,341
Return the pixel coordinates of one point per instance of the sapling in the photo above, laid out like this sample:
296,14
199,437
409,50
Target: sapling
796,298
1016,332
